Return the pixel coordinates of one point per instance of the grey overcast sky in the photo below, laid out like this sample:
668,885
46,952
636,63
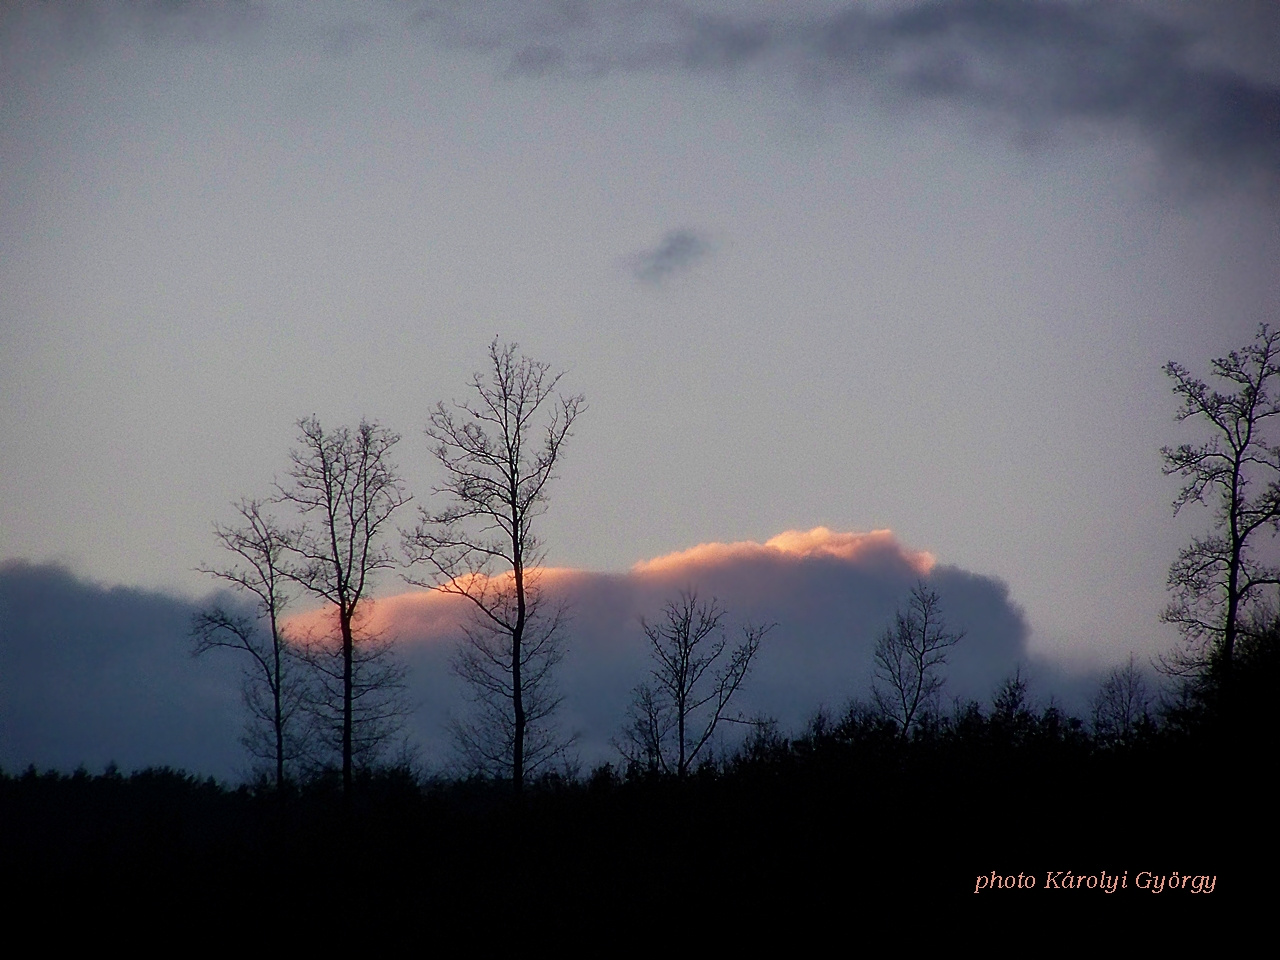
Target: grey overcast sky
896,265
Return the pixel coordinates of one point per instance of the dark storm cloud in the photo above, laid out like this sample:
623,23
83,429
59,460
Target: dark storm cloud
90,675
677,251
1042,63
1035,66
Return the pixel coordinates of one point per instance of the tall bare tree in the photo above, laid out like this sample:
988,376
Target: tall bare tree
500,449
272,688
1219,578
347,488
673,717
909,657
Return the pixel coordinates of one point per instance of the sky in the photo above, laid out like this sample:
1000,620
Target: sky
913,266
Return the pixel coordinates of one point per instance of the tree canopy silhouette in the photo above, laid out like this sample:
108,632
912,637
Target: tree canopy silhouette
673,717
1220,577
273,690
347,488
909,656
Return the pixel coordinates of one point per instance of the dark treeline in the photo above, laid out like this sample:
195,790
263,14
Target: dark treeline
847,811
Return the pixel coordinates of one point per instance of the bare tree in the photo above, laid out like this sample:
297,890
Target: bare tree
674,717
499,450
908,659
272,688
347,489
1218,578
357,707
1121,705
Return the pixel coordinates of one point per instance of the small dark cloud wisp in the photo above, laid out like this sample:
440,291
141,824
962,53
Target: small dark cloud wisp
675,253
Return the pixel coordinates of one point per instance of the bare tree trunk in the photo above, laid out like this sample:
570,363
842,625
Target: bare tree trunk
348,683
260,545
278,706
517,684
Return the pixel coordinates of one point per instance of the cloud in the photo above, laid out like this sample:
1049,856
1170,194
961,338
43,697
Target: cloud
676,252
1039,66
1189,78
795,545
830,593
90,674
83,28
1044,63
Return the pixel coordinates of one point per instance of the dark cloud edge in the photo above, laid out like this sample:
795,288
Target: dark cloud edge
1044,68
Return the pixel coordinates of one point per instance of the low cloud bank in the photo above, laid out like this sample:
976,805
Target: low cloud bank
831,595
90,674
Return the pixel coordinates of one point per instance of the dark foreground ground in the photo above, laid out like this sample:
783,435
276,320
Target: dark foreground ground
846,826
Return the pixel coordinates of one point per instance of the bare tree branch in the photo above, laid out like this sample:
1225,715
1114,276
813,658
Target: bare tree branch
368,700
908,658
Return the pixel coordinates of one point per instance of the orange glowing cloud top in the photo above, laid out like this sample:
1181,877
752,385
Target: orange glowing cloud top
438,614
792,544
434,613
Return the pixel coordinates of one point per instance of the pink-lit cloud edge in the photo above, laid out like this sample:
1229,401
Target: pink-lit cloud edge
435,615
